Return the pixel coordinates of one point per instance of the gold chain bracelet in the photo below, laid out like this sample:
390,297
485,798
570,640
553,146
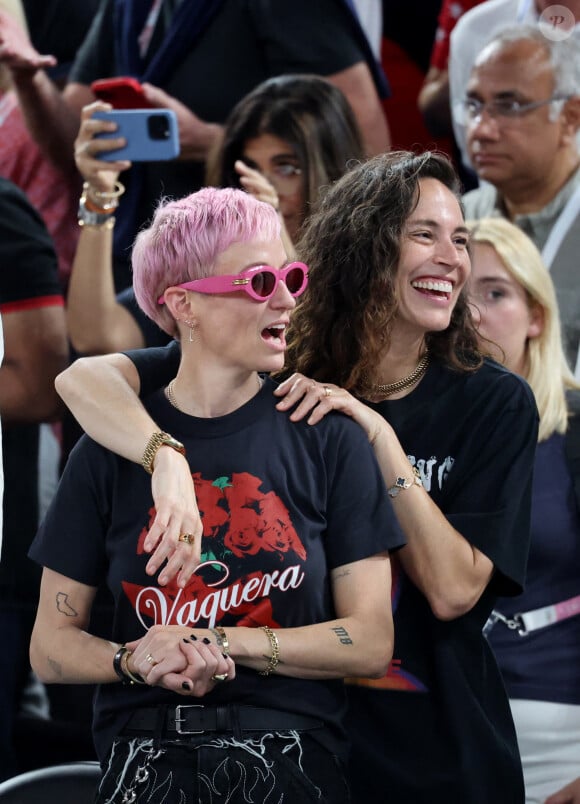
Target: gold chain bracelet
275,657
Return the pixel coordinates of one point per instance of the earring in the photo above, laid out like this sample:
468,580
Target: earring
191,326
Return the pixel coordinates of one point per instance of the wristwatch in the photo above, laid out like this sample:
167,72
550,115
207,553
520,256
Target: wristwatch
87,217
156,441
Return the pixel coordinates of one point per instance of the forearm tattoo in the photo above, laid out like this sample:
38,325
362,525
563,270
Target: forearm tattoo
63,606
342,635
55,666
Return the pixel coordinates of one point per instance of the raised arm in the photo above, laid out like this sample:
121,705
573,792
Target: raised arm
52,116
357,85
97,323
102,393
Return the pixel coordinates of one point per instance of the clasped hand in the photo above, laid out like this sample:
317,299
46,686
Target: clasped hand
185,661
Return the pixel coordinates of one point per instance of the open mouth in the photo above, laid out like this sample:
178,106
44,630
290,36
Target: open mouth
441,288
275,334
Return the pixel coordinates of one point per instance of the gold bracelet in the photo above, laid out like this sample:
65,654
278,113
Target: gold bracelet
221,639
106,195
275,657
401,483
156,441
124,664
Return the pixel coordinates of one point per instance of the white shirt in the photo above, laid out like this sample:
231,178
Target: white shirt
370,14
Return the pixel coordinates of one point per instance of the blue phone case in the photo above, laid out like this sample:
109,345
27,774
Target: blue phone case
151,134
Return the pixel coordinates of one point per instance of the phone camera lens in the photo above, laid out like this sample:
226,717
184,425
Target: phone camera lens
158,127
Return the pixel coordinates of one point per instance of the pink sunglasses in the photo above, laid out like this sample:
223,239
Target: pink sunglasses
260,282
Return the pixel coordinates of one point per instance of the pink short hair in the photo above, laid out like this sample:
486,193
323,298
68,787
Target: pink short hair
186,237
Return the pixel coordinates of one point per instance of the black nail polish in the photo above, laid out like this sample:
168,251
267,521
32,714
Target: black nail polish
186,641
206,641
185,686
193,637
225,655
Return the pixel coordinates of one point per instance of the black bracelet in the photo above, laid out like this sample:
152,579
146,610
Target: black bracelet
126,677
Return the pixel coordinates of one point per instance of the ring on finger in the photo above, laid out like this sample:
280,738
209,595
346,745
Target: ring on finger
327,390
219,677
149,658
188,538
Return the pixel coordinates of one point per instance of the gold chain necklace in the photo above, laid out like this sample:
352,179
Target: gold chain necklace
392,387
170,393
171,396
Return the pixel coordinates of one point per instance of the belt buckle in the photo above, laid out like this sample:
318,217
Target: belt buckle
179,720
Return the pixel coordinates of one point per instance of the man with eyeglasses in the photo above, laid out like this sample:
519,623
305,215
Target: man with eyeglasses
522,114
478,25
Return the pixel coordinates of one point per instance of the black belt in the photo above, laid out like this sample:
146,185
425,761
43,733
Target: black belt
194,719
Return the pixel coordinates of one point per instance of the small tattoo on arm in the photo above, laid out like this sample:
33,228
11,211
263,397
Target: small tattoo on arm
56,667
343,573
63,606
342,635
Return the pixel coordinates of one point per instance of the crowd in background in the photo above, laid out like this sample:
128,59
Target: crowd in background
281,99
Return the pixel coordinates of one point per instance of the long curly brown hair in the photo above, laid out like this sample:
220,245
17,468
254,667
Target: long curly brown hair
352,245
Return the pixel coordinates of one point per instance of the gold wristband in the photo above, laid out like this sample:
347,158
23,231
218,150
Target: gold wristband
274,659
221,639
401,483
156,441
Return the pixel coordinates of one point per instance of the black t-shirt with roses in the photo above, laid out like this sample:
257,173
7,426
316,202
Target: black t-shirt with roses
282,505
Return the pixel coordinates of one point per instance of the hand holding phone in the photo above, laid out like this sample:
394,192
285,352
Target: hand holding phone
151,136
122,93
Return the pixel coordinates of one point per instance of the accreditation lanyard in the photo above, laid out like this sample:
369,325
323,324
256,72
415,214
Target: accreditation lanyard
528,621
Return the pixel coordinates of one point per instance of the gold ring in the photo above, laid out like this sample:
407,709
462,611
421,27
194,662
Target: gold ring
151,660
188,538
219,677
327,390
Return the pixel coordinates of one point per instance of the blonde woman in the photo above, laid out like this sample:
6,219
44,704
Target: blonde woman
538,650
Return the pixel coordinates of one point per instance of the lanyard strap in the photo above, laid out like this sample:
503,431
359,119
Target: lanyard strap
528,621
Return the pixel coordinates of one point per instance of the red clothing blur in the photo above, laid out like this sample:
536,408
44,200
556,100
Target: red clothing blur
52,194
450,12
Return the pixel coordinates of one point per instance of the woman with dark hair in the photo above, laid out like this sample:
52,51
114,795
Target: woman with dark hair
385,336
289,138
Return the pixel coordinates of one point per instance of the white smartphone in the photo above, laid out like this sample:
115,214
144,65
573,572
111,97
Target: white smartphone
151,135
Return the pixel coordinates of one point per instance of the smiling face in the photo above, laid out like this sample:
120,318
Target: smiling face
514,153
278,162
501,309
233,329
433,264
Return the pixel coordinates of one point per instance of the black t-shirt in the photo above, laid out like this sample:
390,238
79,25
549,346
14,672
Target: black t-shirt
438,727
282,504
245,43
28,280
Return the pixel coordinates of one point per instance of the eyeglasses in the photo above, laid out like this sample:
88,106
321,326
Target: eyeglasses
470,110
260,282
283,176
